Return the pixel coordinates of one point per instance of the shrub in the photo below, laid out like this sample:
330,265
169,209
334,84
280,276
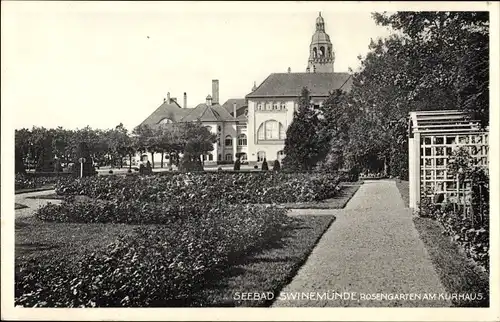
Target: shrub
276,166
110,171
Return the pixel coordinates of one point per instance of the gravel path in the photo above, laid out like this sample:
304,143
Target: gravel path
371,249
33,204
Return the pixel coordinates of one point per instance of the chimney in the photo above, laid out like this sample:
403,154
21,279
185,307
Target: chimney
254,86
215,91
209,100
308,70
164,100
168,97
234,110
289,70
185,100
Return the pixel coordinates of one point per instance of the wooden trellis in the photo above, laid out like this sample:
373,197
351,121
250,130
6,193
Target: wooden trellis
433,135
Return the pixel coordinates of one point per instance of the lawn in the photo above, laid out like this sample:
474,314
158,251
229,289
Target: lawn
404,191
38,239
269,268
457,273
19,206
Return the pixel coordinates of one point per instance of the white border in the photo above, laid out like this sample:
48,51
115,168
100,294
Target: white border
259,314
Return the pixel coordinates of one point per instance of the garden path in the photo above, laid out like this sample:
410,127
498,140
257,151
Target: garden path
372,247
33,204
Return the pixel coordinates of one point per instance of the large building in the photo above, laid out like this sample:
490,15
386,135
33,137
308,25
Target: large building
254,127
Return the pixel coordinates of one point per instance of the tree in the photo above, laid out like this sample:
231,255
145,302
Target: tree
22,149
451,56
196,141
336,115
120,144
301,145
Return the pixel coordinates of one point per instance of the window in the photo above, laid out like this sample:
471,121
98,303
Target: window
165,121
280,154
210,157
261,155
228,141
268,106
259,107
271,130
283,106
322,51
275,106
242,140
243,156
229,157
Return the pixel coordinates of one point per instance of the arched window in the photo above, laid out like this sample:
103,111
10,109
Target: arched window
321,51
261,155
275,106
165,120
242,140
315,52
329,52
229,157
283,106
271,130
259,106
210,157
269,106
228,141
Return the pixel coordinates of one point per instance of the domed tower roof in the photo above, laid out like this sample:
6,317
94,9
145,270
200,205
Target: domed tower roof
322,56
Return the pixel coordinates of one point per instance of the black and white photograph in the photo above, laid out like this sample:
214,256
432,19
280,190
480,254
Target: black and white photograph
263,155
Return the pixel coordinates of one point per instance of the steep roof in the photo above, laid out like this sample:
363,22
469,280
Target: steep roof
205,113
291,84
170,110
241,106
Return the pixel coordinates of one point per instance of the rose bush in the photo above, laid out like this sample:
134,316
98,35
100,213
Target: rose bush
162,265
233,187
30,182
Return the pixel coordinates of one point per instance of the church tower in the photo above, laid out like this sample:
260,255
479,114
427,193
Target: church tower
321,55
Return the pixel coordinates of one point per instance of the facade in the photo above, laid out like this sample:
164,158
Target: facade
254,127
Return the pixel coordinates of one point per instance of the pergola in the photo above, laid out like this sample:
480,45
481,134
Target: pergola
432,137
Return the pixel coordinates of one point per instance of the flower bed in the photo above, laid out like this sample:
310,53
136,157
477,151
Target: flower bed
232,187
473,238
32,182
161,266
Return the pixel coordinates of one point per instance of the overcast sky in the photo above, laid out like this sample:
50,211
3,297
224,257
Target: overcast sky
95,63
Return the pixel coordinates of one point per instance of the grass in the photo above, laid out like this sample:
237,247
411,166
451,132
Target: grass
338,202
403,187
71,241
456,272
269,269
51,196
27,190
19,206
